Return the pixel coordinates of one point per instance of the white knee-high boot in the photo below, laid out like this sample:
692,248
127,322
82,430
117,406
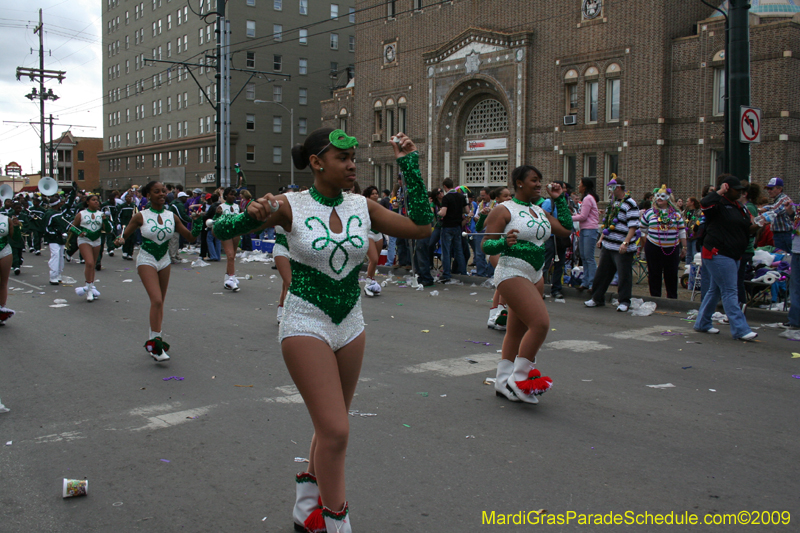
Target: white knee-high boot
527,382
337,522
504,370
307,499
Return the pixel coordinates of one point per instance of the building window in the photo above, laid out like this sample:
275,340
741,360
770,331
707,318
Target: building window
251,3
303,68
612,100
277,156
390,8
251,60
611,167
303,37
277,5
591,102
352,43
719,92
277,62
590,165
572,99
80,155
401,119
334,68
277,32
302,126
304,7
334,41
277,93
251,122
277,124
390,122
417,5
487,117
81,174
334,11
250,92
351,17
303,97
717,165
251,153
251,28
378,121
570,169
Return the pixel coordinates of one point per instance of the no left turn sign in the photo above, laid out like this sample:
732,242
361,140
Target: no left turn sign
750,125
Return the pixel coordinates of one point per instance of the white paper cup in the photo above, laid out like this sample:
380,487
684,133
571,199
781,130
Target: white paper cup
75,487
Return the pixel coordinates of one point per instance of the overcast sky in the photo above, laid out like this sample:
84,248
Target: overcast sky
72,43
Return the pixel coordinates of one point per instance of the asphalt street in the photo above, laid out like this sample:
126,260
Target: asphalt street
432,448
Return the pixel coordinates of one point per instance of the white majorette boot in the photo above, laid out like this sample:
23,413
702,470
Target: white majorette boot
501,318
527,382
504,370
95,292
372,288
307,500
231,283
493,312
337,522
81,291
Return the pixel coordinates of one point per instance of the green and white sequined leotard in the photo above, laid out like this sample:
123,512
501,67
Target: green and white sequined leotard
155,238
91,224
324,299
281,247
5,228
526,258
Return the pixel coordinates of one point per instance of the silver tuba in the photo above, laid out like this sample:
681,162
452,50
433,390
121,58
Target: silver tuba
48,186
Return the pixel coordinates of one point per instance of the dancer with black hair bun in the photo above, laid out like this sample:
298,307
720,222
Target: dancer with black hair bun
88,226
153,262
6,233
372,287
524,228
229,246
322,331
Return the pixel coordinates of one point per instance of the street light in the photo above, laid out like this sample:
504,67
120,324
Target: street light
291,132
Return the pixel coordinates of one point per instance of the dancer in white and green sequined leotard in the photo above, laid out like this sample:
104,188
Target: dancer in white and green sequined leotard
88,225
322,329
5,266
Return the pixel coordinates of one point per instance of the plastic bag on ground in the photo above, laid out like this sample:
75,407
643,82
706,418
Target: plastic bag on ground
692,313
66,280
199,263
636,303
489,283
644,309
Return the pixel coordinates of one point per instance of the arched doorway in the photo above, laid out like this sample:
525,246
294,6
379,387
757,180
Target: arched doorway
483,159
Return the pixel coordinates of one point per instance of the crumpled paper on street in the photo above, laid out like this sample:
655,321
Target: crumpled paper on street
256,257
791,334
199,263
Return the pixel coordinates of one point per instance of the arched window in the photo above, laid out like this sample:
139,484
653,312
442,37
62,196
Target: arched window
487,117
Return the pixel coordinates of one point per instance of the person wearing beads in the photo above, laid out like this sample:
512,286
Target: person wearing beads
665,229
322,332
229,246
88,225
372,287
617,247
157,225
524,228
6,233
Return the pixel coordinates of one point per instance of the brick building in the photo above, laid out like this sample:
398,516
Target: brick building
76,159
575,87
161,124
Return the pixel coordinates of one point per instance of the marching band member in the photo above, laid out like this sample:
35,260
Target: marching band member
88,225
153,262
55,233
125,213
37,225
19,219
6,233
322,331
518,278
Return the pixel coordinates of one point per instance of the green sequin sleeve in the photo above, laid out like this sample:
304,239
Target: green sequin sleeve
564,216
419,209
495,246
229,226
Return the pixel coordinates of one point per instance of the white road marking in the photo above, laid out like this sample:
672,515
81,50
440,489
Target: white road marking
150,409
457,366
576,346
646,334
27,284
173,419
59,437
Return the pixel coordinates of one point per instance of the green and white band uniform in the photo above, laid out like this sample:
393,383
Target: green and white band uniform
5,228
324,299
526,258
92,225
157,229
281,247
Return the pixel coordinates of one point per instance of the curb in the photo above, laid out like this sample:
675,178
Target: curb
680,306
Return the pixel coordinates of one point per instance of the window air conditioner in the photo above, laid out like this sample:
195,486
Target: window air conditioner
376,137
570,120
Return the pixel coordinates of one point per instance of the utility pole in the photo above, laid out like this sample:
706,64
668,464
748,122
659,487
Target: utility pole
738,58
50,150
41,74
218,66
